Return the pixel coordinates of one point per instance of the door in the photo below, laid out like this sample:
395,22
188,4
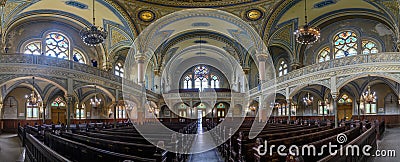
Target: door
345,112
58,115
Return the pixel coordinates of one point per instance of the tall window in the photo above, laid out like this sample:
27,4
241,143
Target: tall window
80,111
345,43
33,48
214,81
121,112
201,77
32,111
283,68
369,47
187,82
323,109
119,70
57,46
79,56
323,55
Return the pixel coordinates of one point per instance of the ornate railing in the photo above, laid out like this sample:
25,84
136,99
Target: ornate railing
332,65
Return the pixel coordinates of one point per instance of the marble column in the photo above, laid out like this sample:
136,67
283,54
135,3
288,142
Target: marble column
70,107
262,59
140,59
44,107
289,106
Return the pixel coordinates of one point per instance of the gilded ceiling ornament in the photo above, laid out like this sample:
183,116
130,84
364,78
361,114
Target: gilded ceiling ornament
146,15
254,14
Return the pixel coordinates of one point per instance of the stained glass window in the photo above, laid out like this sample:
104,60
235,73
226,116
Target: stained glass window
187,83
80,111
201,77
283,68
33,48
324,55
345,99
58,102
119,70
369,46
345,43
57,45
78,56
214,81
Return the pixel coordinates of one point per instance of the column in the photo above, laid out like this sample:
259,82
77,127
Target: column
289,104
70,107
262,59
335,111
44,107
157,81
262,110
245,84
116,103
140,61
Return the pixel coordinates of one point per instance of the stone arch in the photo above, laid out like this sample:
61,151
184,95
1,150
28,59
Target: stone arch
342,82
107,92
298,88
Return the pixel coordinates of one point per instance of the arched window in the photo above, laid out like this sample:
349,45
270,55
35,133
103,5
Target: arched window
119,70
187,82
54,44
33,48
283,68
214,81
345,43
58,102
121,112
369,47
78,56
323,55
57,45
201,77
32,111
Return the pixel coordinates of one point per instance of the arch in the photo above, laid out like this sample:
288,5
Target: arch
344,81
108,93
298,88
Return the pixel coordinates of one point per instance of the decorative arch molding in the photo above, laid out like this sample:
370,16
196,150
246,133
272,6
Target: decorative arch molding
345,80
105,90
236,28
296,89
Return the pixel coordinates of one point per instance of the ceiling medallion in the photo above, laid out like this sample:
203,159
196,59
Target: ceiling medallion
254,14
146,15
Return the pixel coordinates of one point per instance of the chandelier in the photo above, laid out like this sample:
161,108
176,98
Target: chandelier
306,34
95,102
308,100
324,102
33,98
252,108
368,96
93,35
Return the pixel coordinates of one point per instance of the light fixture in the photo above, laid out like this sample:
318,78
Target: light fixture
252,108
93,35
368,96
33,98
95,102
307,34
324,102
308,100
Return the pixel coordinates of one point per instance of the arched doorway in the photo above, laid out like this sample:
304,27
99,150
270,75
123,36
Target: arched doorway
345,107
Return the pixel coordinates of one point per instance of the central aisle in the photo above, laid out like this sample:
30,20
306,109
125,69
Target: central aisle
204,141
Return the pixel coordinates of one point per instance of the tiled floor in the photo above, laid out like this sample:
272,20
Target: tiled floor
204,141
390,141
10,148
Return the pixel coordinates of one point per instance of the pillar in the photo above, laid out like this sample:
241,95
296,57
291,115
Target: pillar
70,107
44,107
289,103
262,59
335,111
140,59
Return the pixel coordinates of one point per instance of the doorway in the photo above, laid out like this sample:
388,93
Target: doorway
58,115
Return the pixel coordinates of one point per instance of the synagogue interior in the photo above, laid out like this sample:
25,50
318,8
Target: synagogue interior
199,80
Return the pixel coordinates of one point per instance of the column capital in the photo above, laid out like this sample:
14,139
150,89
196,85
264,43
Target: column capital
262,56
246,70
140,58
335,95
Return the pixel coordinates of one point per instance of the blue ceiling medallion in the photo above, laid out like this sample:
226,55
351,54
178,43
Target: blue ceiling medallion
324,3
76,4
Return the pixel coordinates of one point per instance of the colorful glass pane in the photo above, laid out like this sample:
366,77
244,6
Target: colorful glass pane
369,47
33,48
201,72
57,46
345,43
324,55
